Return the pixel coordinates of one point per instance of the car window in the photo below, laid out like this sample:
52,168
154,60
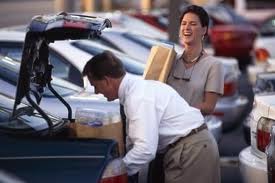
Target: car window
62,68
223,14
65,70
148,42
4,116
11,49
62,87
105,42
131,65
9,69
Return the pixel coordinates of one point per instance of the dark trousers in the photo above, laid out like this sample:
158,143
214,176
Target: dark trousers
156,170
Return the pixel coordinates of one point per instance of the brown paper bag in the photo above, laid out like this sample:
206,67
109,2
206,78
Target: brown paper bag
109,131
159,63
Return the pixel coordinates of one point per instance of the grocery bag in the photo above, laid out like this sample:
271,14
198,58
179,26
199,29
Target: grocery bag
159,63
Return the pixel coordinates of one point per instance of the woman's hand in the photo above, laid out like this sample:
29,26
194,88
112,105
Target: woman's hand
208,105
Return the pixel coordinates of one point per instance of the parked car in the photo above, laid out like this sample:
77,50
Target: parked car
132,24
230,34
265,83
67,59
36,141
122,39
263,51
76,96
253,162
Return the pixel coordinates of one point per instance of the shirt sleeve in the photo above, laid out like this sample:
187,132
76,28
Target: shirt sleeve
143,133
215,78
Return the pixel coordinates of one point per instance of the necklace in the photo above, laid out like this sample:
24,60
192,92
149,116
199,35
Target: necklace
193,60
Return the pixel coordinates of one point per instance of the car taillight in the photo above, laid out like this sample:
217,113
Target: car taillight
115,172
261,54
263,133
116,179
218,114
74,24
228,36
229,88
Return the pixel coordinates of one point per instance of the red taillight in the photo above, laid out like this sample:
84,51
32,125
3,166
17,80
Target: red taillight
115,172
116,179
218,114
263,139
229,88
263,133
74,24
261,54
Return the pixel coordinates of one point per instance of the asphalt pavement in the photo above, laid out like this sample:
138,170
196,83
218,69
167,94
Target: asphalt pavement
232,142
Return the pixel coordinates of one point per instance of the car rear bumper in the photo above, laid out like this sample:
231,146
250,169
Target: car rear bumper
230,111
252,168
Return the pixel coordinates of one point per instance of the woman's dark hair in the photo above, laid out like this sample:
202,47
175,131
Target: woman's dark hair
104,64
199,11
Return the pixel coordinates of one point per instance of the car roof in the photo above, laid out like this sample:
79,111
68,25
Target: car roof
12,35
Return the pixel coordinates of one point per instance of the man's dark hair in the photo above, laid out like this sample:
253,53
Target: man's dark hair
104,64
199,11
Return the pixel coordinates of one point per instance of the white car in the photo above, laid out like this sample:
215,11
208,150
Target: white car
253,162
76,96
67,59
264,51
131,24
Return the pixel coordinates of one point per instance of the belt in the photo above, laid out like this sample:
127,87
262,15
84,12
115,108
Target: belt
194,131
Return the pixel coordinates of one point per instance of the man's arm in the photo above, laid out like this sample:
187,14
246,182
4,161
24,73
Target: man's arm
143,133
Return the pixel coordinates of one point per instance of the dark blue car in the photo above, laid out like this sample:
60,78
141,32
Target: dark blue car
40,147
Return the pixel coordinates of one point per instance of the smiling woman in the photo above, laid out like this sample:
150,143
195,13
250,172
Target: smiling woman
197,76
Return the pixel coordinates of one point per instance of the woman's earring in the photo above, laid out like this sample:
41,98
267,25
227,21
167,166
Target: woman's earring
202,38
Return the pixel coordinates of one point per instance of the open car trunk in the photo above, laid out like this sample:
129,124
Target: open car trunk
38,147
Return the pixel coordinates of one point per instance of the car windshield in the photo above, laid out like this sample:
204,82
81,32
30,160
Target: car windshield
146,41
9,70
225,14
131,65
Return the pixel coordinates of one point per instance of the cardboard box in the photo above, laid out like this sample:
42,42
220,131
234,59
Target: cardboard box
109,131
159,63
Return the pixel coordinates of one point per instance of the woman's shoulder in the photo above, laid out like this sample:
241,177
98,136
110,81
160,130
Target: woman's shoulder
212,60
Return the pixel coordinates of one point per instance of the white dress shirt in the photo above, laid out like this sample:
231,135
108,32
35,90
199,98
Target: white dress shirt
156,117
